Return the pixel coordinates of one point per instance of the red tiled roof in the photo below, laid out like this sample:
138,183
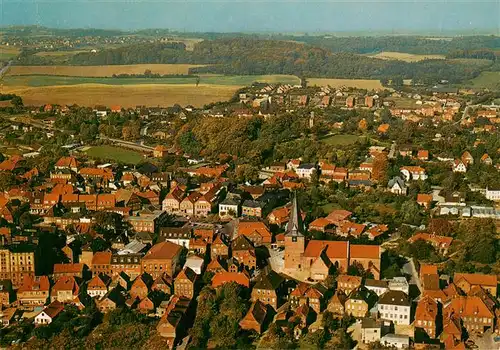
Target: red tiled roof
68,268
361,251
477,279
226,277
101,258
163,250
334,249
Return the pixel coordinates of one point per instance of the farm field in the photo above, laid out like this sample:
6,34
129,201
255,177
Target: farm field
488,80
370,84
114,154
55,80
406,57
340,139
7,52
123,95
101,71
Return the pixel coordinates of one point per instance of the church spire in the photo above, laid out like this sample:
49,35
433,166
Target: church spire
295,227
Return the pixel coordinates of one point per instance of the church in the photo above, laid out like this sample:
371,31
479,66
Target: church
317,258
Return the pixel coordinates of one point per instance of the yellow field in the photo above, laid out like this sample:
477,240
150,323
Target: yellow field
355,83
407,57
123,95
101,71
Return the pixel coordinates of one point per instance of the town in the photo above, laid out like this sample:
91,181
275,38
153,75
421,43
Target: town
289,216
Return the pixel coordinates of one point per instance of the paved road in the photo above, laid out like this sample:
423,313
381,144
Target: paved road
5,69
410,269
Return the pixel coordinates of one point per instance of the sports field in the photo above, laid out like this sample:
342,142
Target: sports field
115,154
370,84
406,57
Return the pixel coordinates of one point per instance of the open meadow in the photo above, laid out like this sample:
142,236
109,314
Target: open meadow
101,71
124,95
370,84
340,139
487,80
8,52
406,57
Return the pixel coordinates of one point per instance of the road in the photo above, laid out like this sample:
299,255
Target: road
5,69
409,268
128,144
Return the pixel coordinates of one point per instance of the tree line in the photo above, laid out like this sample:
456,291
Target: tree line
250,56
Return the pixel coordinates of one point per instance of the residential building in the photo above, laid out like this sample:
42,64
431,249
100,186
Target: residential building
475,315
399,284
267,289
371,330
255,317
178,235
17,262
34,291
48,314
347,283
397,186
376,286
185,283
466,281
162,258
426,316
395,306
396,340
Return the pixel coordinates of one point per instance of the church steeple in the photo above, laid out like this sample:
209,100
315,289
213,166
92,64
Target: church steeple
295,227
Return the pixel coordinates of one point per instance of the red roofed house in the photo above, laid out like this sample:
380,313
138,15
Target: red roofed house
424,200
255,317
160,151
426,315
466,281
221,278
256,231
75,270
34,291
475,315
441,243
162,257
67,163
423,154
65,290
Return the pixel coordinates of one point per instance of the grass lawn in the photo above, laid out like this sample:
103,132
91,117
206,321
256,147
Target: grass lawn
340,140
328,208
115,154
488,80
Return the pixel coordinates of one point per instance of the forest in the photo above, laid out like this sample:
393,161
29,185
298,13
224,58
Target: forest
253,57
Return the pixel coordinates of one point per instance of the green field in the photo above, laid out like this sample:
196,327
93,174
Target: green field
487,80
115,154
236,80
340,140
7,53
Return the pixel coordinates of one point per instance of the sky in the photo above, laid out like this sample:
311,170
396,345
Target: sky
284,16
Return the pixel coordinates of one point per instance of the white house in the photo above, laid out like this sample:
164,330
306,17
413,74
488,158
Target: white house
397,186
195,263
377,286
493,194
395,306
459,166
229,208
399,283
47,315
177,235
371,330
397,340
305,171
413,173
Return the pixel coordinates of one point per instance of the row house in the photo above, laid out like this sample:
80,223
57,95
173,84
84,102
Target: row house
147,221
